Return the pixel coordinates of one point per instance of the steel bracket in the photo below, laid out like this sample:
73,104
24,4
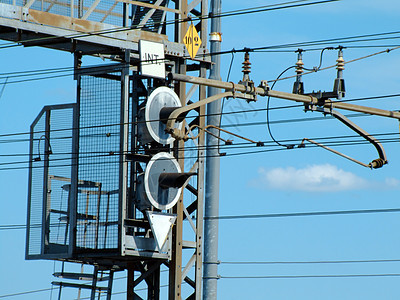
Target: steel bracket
249,90
376,163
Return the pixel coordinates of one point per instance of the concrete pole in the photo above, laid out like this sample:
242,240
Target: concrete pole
211,205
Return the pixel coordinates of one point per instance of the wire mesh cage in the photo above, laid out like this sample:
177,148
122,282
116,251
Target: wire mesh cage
99,158
74,202
50,169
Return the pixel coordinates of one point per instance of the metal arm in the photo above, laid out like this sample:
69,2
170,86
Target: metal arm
376,163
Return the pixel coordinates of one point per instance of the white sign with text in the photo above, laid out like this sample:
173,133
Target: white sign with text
152,59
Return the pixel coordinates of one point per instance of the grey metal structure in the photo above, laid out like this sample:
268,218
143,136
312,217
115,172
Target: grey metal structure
86,158
211,204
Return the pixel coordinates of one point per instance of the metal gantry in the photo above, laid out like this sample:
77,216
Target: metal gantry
107,173
92,169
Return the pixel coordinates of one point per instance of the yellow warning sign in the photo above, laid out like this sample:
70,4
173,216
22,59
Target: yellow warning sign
192,41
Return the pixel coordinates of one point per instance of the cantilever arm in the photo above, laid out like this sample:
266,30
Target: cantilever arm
376,163
175,132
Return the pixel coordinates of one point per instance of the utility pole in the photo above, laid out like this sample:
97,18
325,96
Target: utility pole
213,164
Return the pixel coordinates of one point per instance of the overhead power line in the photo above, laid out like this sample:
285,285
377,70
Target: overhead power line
82,71
309,262
25,293
307,214
330,140
246,147
224,113
249,146
341,40
265,8
310,276
263,216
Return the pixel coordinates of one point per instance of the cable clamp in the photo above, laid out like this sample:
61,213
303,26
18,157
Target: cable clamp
233,89
213,277
251,90
264,85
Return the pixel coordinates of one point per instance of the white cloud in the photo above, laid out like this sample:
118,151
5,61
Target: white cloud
317,178
392,183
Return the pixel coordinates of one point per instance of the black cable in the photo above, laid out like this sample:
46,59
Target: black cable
264,216
224,113
25,293
267,109
306,214
223,100
316,69
266,144
250,145
3,87
340,40
319,49
309,262
257,10
170,22
310,276
37,72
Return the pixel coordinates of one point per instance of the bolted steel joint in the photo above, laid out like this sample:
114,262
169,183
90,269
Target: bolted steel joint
264,85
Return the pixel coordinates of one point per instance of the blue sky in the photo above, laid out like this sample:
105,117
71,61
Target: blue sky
298,180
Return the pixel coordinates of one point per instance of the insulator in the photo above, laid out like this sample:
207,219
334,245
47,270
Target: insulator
246,65
299,67
378,163
340,61
298,86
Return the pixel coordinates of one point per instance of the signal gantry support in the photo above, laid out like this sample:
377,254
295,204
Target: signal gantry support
117,199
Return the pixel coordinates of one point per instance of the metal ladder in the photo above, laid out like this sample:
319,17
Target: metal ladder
74,280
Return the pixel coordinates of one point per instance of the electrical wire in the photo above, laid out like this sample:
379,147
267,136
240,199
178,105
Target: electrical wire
243,144
224,99
316,69
310,276
49,289
25,293
105,154
224,113
294,46
3,87
346,62
36,72
263,216
291,146
91,155
306,214
309,262
82,71
253,10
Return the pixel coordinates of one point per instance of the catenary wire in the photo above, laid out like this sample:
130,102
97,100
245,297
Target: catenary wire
170,22
186,157
232,51
263,216
309,262
296,45
311,276
306,214
267,110
224,113
71,69
340,141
